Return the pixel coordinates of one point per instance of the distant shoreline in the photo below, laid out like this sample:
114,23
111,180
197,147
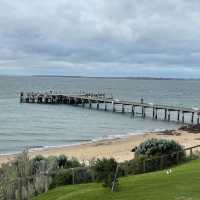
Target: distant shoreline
105,77
118,77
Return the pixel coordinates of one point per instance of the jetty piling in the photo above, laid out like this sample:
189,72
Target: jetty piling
183,117
178,115
133,110
106,103
169,115
97,105
113,104
123,109
192,118
165,114
105,106
156,114
197,118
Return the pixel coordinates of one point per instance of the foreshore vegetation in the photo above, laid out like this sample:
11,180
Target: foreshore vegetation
24,177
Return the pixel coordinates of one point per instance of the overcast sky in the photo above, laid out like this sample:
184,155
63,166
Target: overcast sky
100,37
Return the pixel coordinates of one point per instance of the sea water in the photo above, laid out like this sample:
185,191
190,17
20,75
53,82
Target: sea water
37,126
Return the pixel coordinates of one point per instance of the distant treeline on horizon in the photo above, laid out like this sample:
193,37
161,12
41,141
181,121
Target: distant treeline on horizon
104,77
119,77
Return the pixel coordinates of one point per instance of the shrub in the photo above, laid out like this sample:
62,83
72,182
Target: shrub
159,153
134,166
64,162
61,161
73,162
52,163
104,171
157,147
39,163
63,177
82,175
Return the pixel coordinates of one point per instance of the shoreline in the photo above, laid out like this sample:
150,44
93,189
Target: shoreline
118,148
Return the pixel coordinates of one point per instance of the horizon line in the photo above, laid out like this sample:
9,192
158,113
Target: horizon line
103,77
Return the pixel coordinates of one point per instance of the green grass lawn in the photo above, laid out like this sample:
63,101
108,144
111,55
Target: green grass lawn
182,184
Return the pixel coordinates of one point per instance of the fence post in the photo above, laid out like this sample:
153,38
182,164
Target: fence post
46,182
177,157
191,153
115,178
161,162
144,165
20,188
73,177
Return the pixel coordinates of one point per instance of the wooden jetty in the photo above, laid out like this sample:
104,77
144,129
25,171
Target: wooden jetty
101,99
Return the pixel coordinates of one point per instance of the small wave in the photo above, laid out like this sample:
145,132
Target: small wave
35,147
77,140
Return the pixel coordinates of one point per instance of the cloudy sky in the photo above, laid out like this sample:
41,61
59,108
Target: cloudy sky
100,37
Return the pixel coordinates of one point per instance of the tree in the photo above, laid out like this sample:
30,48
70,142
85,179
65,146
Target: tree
105,171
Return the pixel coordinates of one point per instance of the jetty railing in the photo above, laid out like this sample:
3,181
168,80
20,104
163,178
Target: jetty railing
101,101
24,187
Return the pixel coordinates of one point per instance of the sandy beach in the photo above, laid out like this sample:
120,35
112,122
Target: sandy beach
118,148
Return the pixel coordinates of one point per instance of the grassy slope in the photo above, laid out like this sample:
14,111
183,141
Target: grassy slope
183,184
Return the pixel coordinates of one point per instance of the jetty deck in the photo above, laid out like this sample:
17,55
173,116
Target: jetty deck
102,99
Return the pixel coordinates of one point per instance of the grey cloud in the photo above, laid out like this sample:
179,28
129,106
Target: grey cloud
100,32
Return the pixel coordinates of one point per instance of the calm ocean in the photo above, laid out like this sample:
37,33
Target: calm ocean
29,125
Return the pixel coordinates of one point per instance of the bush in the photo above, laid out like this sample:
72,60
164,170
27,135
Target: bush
64,162
63,177
159,153
83,175
157,147
134,166
104,171
39,163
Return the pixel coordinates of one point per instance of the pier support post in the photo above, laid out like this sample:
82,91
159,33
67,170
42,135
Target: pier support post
198,118
113,104
169,115
51,100
90,104
105,106
192,118
83,102
38,99
143,112
183,120
153,112
165,114
122,108
133,110
27,99
45,100
156,114
178,117
56,100
76,101
21,97
97,105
